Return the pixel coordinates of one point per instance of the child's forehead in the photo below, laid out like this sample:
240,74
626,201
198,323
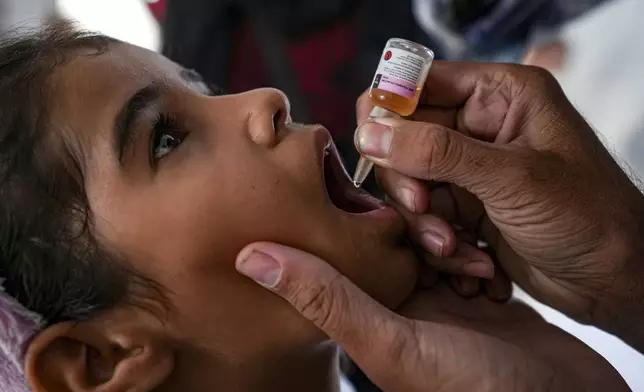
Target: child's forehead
120,63
104,79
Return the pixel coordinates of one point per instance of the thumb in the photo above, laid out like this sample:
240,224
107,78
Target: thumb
430,151
372,335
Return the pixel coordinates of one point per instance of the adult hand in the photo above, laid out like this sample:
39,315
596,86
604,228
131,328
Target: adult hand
563,218
448,343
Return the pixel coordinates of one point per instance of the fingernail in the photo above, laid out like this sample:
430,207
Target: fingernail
407,198
433,242
374,139
260,267
480,269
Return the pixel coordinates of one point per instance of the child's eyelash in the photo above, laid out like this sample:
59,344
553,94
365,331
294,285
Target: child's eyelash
165,120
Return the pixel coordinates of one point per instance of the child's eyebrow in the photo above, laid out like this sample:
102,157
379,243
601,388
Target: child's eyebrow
123,130
141,100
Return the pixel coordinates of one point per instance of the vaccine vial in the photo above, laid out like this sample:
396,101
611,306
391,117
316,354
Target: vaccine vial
400,76
396,86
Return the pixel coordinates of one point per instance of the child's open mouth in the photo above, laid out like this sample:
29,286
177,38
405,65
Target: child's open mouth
340,189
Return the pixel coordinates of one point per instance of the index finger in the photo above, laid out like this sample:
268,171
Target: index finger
450,84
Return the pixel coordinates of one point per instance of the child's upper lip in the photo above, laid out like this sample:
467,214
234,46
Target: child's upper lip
321,135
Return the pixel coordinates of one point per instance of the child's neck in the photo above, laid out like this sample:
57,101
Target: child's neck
314,371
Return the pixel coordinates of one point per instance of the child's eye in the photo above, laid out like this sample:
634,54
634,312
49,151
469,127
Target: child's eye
165,138
166,143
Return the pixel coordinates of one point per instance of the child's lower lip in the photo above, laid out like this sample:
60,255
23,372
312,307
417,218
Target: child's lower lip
385,212
385,220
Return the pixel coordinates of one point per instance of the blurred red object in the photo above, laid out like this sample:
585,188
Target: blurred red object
316,60
158,8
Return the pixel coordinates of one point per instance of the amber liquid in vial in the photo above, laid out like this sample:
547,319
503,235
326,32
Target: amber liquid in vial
393,102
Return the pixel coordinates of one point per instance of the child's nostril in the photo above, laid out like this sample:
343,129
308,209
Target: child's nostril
279,118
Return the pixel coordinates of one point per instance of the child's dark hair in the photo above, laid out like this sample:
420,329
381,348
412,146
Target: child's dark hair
50,258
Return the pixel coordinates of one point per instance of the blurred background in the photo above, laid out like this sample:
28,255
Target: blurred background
323,53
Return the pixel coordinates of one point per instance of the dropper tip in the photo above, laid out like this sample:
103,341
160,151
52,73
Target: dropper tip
362,171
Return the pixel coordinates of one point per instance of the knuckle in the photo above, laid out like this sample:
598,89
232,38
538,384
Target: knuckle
538,81
539,74
510,73
322,303
514,79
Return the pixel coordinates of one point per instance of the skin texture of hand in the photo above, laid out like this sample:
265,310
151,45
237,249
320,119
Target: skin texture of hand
529,177
440,341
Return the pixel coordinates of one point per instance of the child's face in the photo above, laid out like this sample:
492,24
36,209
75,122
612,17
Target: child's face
200,178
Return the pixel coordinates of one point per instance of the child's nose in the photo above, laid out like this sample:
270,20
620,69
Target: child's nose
269,110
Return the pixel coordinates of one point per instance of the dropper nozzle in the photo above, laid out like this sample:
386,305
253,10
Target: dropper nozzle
362,171
364,165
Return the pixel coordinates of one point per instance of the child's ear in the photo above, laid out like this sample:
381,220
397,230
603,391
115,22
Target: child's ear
97,357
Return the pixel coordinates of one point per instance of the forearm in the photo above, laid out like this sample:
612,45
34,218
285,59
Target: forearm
624,318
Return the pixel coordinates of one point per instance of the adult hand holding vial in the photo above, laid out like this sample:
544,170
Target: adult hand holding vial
524,172
396,86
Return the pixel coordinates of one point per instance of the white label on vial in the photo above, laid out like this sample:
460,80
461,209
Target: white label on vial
399,72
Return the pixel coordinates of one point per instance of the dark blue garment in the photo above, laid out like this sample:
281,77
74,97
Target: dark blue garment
491,26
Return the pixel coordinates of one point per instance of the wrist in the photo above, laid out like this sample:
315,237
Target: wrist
620,306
